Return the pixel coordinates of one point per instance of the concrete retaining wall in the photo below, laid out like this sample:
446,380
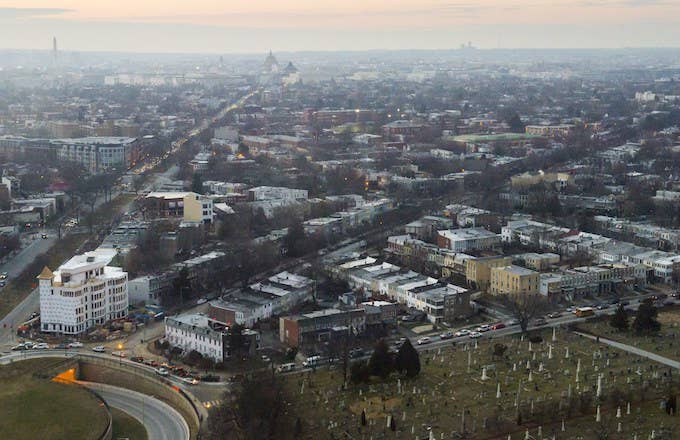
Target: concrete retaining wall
110,372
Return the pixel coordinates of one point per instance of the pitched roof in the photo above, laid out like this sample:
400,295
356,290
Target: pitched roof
46,274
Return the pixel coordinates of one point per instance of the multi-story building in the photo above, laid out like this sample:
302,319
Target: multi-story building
478,270
555,131
276,193
464,240
187,206
194,332
536,261
320,326
82,293
276,295
97,153
202,334
513,280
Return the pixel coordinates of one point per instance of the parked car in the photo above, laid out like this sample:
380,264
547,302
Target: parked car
75,344
41,346
311,361
284,368
483,328
61,346
265,358
43,236
540,321
120,354
3,275
20,347
137,359
475,335
462,332
424,340
200,301
162,372
497,326
99,349
446,335
513,322
554,315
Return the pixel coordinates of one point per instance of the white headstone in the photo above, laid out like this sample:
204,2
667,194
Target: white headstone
598,418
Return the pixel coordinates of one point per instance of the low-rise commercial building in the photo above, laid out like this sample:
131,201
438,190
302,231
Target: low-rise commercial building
465,240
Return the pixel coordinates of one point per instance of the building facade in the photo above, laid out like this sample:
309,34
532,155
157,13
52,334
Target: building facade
84,292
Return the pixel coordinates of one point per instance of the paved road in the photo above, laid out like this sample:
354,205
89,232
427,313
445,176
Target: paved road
19,314
160,419
37,246
634,350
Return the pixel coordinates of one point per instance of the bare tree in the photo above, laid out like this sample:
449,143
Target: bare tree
525,307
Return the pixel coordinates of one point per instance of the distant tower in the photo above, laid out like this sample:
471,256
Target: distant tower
54,49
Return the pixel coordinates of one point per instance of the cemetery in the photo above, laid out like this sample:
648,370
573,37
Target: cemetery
665,342
551,384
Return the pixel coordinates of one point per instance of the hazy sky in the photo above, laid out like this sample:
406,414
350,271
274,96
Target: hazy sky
258,25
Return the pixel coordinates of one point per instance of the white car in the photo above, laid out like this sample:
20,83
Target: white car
423,341
475,335
41,346
462,332
75,344
162,372
200,301
483,328
99,349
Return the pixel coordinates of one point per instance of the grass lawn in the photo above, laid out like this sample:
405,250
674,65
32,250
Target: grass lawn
450,395
125,426
666,343
33,408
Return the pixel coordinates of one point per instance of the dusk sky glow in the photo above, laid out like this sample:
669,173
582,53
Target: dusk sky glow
257,25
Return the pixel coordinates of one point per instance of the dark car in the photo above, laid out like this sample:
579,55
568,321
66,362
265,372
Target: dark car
540,321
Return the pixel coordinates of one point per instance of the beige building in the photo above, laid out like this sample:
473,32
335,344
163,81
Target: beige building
514,280
478,270
539,262
524,180
187,206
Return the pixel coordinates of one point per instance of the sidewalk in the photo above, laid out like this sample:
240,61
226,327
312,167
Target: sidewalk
634,350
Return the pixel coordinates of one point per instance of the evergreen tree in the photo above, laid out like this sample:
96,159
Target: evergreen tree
408,360
197,183
619,319
381,363
645,318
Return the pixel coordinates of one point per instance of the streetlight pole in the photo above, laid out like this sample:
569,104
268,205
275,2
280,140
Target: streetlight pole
120,354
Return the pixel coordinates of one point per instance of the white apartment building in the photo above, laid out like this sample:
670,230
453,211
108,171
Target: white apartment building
193,332
84,292
276,193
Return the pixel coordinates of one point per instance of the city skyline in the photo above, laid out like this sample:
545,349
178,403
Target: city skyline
207,26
